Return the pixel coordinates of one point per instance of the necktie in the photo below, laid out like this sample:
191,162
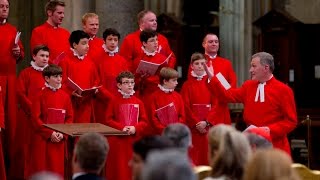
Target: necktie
260,92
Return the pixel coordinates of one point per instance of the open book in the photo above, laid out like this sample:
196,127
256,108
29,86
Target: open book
56,116
150,68
83,92
201,110
17,38
129,114
167,114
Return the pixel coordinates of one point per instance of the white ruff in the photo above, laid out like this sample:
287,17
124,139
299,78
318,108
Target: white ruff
166,90
52,88
77,55
125,95
36,67
211,57
199,78
260,92
148,53
111,53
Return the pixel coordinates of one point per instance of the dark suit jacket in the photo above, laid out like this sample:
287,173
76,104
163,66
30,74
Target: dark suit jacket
89,177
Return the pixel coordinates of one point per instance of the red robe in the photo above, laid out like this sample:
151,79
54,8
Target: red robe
44,154
121,146
95,46
131,48
145,87
278,112
160,99
56,38
223,66
109,67
196,92
30,83
84,73
8,83
2,166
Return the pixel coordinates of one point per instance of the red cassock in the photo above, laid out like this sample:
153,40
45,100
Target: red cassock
278,112
84,73
8,83
95,46
44,154
56,38
146,86
223,66
196,93
109,67
30,83
2,166
121,146
131,48
160,99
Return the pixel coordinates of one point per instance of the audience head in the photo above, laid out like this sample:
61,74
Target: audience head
125,82
55,11
262,66
179,134
45,176
53,75
168,165
111,38
233,153
90,24
258,138
4,10
90,153
270,164
40,55
147,20
168,77
141,148
79,42
197,62
210,44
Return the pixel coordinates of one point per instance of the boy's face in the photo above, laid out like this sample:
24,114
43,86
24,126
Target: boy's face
151,45
41,58
197,66
82,47
111,42
54,81
171,83
126,85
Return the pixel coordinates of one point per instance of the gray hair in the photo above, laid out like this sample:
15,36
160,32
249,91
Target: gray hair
265,59
168,165
179,134
259,141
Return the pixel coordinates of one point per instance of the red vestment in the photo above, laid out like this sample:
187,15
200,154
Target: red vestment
95,46
131,48
278,112
56,38
2,166
44,154
121,146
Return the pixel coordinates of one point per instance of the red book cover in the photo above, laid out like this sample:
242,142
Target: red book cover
129,114
167,114
201,110
56,116
83,92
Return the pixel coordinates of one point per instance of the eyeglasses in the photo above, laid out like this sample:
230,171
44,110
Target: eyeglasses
128,82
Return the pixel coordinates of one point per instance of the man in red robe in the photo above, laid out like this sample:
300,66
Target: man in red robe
50,33
268,103
131,45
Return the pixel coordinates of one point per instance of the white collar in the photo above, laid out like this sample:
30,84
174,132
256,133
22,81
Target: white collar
211,57
75,53
111,53
166,90
52,88
36,67
91,38
199,78
4,21
148,53
125,95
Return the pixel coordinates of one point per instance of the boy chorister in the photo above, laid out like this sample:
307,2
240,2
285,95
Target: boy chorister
52,106
126,113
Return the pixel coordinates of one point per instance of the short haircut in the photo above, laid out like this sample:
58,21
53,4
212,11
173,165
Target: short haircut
168,164
37,48
110,31
45,175
51,5
141,15
86,16
91,151
196,56
167,73
76,36
265,59
205,37
147,34
124,74
179,134
51,70
147,144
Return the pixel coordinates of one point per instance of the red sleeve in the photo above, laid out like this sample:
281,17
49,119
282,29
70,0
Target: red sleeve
142,126
1,111
22,86
126,51
166,51
192,120
69,111
21,51
154,121
64,66
36,39
111,115
182,115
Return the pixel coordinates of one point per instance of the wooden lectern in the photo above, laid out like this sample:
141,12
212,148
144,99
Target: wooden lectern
76,130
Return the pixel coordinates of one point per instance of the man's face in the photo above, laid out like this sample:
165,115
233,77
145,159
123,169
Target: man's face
91,26
41,58
211,44
257,70
149,21
111,42
4,9
136,164
57,15
82,47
